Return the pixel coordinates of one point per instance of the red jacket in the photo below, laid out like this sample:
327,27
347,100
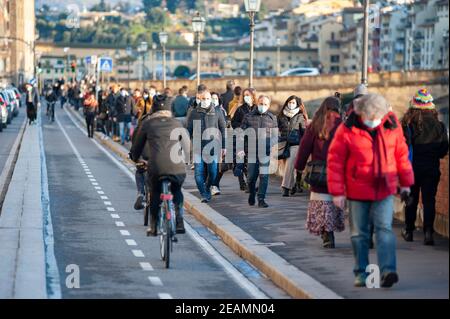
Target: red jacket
368,164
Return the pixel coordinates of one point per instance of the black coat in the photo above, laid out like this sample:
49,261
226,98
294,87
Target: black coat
429,145
226,99
291,129
208,118
255,120
154,134
239,115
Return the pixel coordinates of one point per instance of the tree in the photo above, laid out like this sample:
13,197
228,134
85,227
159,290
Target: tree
182,71
190,4
150,4
172,5
101,7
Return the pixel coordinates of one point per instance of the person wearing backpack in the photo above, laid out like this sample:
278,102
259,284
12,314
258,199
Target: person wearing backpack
428,142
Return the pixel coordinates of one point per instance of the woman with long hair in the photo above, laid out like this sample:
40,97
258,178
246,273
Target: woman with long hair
292,122
323,218
248,101
428,142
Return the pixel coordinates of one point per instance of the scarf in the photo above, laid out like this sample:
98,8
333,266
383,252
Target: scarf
291,113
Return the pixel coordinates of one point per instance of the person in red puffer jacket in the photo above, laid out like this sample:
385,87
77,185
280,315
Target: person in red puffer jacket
367,162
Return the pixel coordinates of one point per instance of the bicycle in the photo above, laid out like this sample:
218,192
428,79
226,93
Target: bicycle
51,111
165,225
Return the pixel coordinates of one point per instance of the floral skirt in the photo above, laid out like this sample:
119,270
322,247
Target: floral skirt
323,216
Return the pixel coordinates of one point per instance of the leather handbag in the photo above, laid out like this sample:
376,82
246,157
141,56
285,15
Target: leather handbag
316,173
284,150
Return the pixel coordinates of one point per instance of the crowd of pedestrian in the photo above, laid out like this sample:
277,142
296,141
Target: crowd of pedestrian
354,157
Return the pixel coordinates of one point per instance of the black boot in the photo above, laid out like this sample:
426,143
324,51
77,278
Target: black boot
252,199
152,232
407,235
328,240
285,192
138,204
262,204
179,223
428,240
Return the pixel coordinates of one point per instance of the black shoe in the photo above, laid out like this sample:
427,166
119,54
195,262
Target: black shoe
262,203
285,192
389,279
205,200
428,240
407,235
138,204
243,186
251,199
180,225
328,240
296,189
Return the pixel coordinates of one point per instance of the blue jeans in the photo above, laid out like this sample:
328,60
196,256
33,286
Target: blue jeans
261,170
123,133
205,176
381,214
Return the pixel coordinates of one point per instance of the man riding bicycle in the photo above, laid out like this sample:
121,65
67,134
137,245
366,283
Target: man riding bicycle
51,97
155,133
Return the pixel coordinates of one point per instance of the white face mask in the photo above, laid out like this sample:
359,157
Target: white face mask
262,108
145,96
248,100
152,93
123,93
372,124
215,102
292,105
198,101
29,88
206,103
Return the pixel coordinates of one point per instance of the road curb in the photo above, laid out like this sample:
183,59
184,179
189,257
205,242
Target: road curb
5,177
289,278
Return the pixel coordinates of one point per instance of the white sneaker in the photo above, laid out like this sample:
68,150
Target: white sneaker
215,190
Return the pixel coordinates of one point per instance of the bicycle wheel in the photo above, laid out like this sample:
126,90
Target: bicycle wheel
162,234
167,243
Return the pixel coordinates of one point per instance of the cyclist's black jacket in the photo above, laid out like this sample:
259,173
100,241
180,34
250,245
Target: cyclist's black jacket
154,134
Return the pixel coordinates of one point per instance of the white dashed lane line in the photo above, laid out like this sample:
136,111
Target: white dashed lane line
146,266
138,253
155,281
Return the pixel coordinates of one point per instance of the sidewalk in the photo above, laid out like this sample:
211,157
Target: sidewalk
423,271
22,251
276,242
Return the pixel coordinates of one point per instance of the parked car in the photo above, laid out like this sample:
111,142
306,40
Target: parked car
301,72
5,98
14,101
3,114
206,75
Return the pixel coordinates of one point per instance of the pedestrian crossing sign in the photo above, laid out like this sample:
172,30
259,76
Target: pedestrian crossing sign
105,64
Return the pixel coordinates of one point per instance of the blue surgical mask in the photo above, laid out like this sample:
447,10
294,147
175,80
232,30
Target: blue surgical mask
372,124
262,109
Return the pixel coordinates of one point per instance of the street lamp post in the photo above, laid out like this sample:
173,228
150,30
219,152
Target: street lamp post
278,56
365,57
154,46
198,25
66,69
129,51
143,47
252,7
163,38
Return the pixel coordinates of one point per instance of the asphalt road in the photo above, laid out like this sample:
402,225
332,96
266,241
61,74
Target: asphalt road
97,230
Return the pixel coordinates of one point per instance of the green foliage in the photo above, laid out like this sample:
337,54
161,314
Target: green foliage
172,5
150,4
182,71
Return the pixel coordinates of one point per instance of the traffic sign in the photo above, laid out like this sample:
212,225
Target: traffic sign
87,60
105,64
